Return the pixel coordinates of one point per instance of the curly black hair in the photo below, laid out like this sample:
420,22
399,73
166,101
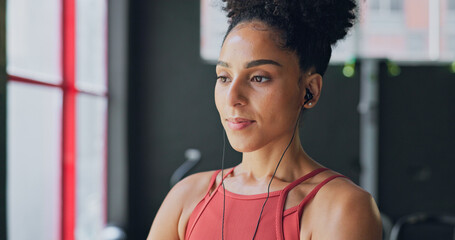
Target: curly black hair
307,27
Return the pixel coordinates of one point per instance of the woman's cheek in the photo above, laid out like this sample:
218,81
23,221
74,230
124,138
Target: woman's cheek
217,99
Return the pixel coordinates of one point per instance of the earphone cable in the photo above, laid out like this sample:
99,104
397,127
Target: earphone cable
222,183
276,169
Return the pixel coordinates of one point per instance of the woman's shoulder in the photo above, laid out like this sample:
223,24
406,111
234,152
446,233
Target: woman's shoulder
348,209
178,206
343,188
194,185
199,183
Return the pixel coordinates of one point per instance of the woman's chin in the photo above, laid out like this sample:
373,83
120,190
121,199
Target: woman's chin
246,141
240,146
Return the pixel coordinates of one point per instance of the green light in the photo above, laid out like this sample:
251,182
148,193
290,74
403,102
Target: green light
394,69
452,67
348,71
349,68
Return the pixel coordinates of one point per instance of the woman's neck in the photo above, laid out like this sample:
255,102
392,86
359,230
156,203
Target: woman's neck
261,164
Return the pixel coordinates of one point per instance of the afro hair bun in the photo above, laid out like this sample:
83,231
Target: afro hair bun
330,19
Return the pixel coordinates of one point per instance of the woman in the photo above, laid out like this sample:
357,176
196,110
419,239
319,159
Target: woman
270,69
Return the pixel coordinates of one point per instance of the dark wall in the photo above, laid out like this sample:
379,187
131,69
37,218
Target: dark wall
417,141
171,108
330,133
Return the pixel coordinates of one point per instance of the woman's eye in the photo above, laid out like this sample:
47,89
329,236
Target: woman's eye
260,79
221,78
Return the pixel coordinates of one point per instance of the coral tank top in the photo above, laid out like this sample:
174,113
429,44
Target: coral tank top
242,213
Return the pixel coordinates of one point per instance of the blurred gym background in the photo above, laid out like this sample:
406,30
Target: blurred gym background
105,104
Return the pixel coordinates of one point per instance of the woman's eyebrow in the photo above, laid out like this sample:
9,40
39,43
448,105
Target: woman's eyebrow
222,64
261,62
251,64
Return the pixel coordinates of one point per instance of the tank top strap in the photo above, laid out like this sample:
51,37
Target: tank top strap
304,178
283,196
213,180
313,193
205,201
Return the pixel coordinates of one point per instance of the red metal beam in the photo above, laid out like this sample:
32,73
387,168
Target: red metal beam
64,88
69,120
31,81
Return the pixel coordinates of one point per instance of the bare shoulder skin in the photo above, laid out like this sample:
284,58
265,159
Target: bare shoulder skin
172,217
341,210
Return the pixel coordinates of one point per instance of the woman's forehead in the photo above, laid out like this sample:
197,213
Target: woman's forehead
256,28
250,41
254,24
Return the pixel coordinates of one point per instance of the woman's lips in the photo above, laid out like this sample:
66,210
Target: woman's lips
239,123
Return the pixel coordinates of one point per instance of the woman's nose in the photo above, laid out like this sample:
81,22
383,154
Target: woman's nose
236,95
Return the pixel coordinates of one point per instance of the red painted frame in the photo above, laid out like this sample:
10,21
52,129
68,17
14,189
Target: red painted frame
64,88
69,119
70,91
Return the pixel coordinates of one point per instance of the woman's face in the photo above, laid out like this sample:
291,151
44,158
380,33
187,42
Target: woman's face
258,93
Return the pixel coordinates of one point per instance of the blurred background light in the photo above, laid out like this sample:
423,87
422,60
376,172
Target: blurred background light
393,68
349,68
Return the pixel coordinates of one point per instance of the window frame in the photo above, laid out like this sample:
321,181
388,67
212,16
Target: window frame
3,76
70,92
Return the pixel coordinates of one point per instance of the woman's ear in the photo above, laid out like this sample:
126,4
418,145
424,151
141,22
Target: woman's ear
313,84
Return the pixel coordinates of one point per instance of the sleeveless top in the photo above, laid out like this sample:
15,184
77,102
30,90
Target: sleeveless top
242,213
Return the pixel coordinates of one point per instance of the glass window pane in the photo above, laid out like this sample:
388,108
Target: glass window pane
213,28
451,4
34,161
90,176
397,5
373,4
448,31
34,39
91,45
